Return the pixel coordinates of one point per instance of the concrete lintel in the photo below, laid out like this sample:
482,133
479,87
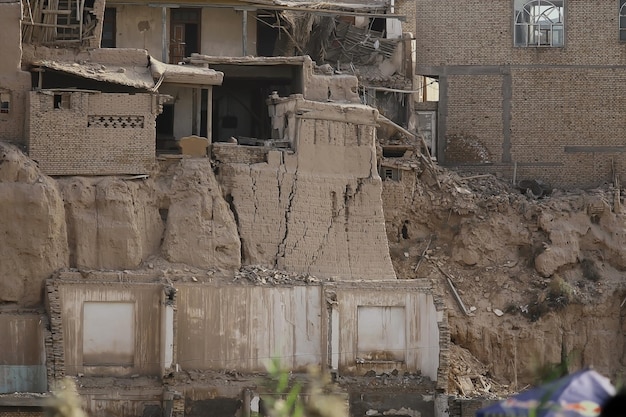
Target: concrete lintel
428,70
334,116
24,400
420,285
437,70
595,149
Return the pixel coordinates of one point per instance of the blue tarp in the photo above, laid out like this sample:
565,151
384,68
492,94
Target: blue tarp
577,395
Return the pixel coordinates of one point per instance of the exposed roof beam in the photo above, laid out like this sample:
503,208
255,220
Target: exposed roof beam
322,12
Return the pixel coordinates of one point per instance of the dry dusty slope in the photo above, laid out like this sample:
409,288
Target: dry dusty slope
542,280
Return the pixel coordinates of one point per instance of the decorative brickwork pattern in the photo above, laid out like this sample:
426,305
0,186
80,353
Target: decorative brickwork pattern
92,134
116,122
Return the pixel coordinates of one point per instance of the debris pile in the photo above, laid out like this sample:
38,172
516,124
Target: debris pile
470,377
258,274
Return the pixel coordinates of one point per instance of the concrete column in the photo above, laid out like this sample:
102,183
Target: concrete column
442,408
244,34
164,43
195,108
334,338
209,114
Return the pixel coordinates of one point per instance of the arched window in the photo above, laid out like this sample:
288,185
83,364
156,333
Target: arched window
622,20
539,23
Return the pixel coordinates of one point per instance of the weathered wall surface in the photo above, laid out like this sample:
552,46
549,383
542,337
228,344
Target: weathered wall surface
107,133
33,230
112,223
319,210
138,337
474,122
140,26
424,328
550,110
222,32
244,327
200,229
22,358
13,83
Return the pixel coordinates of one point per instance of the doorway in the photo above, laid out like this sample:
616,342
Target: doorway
184,33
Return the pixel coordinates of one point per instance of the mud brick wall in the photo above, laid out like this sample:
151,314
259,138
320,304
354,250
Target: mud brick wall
406,8
553,111
233,154
99,134
297,212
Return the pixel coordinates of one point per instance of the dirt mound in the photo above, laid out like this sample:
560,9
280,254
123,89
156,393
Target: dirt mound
540,278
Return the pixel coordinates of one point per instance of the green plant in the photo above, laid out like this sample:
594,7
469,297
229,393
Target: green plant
65,401
287,397
560,293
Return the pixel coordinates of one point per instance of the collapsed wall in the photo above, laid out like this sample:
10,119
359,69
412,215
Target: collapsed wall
316,208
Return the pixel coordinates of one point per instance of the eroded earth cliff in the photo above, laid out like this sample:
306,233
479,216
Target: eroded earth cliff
538,280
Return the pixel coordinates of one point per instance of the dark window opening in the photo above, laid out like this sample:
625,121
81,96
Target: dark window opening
405,230
204,95
62,101
5,102
165,129
379,25
387,173
267,33
163,213
394,151
109,28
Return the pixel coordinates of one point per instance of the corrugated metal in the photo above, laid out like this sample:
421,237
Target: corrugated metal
22,378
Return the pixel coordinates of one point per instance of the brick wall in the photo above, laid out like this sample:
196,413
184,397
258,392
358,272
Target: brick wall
98,134
556,112
406,8
318,210
474,123
477,33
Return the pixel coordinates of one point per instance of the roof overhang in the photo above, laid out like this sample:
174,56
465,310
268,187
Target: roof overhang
146,77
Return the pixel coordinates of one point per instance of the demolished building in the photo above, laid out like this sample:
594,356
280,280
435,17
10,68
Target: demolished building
155,272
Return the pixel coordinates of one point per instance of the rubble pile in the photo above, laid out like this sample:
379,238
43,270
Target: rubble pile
470,377
260,275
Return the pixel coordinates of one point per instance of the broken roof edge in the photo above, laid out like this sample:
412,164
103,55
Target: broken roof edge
370,5
184,74
140,70
250,60
122,75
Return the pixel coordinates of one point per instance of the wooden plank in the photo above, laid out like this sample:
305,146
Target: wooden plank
67,12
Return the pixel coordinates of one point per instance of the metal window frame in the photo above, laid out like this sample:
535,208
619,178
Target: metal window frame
621,29
525,27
